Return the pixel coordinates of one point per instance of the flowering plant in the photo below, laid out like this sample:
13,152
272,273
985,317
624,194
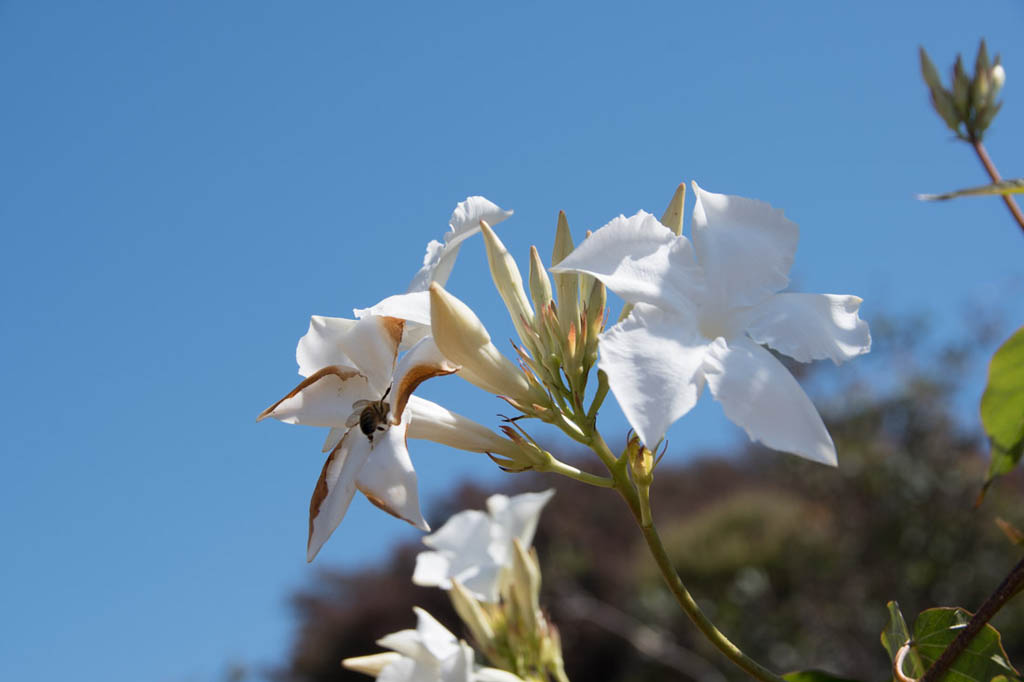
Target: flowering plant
704,310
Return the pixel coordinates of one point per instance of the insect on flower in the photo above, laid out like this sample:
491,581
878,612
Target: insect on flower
371,415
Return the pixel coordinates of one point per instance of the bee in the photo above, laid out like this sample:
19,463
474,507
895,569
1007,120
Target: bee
371,415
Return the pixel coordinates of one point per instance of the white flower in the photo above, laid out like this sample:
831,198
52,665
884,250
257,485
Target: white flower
473,547
430,653
703,308
414,305
354,386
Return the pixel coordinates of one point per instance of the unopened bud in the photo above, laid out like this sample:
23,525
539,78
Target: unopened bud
462,338
641,462
433,422
566,283
998,75
472,614
540,285
672,218
373,664
525,587
509,282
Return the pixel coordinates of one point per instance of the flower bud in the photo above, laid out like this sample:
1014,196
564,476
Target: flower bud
462,338
525,588
641,462
433,422
672,218
472,615
373,664
998,76
509,282
540,285
566,283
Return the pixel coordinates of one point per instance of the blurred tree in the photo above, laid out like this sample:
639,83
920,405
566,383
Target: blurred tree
792,560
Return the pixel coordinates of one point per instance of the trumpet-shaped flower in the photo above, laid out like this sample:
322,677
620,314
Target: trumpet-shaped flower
356,385
414,305
474,547
430,653
703,309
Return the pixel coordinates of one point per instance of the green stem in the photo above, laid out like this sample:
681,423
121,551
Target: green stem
689,605
559,467
602,391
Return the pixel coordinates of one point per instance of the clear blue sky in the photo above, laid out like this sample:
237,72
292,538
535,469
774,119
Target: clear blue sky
184,183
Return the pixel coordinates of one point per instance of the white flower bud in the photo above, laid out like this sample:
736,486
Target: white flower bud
509,282
462,338
432,422
998,76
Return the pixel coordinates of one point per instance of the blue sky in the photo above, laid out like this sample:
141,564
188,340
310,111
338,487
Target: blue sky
185,183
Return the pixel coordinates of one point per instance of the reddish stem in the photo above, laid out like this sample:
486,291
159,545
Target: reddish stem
994,174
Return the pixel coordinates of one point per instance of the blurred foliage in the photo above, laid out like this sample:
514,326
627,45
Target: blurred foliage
794,561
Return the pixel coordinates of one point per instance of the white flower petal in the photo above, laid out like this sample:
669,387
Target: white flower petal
463,538
462,553
811,326
372,343
334,436
424,361
425,275
435,637
483,581
459,666
518,515
744,246
414,307
388,479
323,399
319,347
406,642
761,396
653,359
466,217
410,670
432,570
335,489
465,222
640,260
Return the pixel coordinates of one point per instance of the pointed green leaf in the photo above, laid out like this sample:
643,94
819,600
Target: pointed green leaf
1002,405
1012,186
983,659
894,636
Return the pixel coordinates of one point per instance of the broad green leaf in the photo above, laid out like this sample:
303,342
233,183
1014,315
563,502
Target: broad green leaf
982,660
814,676
895,635
1002,405
1012,186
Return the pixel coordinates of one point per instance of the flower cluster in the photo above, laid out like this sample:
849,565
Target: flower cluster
494,583
704,310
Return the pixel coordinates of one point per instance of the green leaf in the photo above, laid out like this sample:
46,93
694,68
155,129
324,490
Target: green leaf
1002,405
1005,187
814,676
982,660
895,635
